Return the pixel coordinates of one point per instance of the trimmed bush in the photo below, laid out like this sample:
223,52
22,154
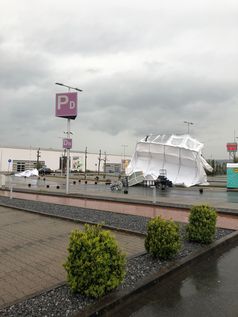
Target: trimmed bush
95,264
162,240
202,224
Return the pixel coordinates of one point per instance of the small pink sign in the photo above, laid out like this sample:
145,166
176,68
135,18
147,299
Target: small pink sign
67,143
66,105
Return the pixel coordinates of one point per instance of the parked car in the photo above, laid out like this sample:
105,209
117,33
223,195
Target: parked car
44,171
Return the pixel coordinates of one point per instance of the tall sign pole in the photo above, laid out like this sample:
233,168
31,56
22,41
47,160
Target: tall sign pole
232,149
85,162
68,155
66,107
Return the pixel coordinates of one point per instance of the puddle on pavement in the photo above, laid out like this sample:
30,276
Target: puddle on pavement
208,288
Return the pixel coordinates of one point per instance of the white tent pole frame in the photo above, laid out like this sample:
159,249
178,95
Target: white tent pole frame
164,158
180,164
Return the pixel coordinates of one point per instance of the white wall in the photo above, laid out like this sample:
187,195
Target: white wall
52,157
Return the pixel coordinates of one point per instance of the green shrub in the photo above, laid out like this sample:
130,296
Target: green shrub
162,238
202,224
95,264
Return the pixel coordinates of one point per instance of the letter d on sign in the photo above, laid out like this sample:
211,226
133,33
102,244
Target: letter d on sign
72,105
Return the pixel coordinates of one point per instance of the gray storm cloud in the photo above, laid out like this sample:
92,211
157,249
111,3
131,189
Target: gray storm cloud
144,66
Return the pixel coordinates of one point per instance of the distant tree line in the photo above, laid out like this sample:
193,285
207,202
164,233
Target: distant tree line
219,168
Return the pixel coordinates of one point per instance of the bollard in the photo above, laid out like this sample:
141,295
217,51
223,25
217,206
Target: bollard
86,182
95,183
2,181
79,180
29,185
47,186
57,187
154,193
74,182
11,192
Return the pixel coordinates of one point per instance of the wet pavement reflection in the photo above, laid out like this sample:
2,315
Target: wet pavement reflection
218,197
208,288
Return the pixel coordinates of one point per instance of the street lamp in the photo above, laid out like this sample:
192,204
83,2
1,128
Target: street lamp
69,87
188,123
68,116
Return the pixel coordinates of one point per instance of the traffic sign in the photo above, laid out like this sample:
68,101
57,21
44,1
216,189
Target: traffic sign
66,105
67,143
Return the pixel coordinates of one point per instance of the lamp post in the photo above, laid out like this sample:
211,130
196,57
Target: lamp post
124,155
66,107
188,123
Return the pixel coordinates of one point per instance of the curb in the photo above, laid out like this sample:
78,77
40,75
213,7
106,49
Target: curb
112,300
124,200
132,232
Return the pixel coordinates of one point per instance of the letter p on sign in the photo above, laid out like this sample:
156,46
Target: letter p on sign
62,101
66,105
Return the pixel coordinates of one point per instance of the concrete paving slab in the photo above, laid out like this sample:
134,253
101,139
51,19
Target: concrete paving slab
34,247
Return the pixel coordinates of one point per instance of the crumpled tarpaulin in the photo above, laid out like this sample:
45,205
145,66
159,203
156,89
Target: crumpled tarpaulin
28,173
179,155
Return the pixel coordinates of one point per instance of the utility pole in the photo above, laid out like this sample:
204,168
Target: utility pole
105,162
38,159
86,152
124,157
99,161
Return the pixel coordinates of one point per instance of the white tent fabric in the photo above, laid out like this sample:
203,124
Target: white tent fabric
28,173
179,155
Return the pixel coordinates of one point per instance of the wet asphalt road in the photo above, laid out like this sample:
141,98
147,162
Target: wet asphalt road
208,289
215,196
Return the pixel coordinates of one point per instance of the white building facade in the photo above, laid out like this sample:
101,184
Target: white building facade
20,159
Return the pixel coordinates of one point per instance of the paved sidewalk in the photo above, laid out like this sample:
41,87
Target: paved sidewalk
33,249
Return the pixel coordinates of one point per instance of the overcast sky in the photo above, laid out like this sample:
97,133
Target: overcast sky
144,67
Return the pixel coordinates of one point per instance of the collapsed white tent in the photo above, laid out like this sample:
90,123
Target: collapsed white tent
28,173
179,155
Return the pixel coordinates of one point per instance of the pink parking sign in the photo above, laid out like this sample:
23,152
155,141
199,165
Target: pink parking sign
66,105
67,143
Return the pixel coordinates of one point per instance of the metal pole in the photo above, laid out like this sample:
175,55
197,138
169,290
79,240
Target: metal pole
105,162
61,161
68,156
11,187
124,156
154,194
188,123
1,162
85,163
99,161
